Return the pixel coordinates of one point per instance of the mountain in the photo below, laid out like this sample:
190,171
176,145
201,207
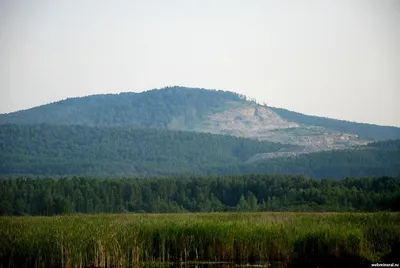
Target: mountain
147,152
176,130
210,111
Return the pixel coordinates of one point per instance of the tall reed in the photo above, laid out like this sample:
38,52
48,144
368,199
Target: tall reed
130,240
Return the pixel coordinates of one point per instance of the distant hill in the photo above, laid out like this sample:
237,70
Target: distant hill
186,109
148,152
202,110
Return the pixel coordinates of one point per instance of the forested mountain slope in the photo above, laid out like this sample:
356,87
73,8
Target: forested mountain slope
155,108
143,152
376,159
200,110
109,135
60,150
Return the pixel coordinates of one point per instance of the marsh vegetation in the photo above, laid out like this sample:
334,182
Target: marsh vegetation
131,240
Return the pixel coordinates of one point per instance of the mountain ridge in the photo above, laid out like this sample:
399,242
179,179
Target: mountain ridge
279,110
209,111
237,96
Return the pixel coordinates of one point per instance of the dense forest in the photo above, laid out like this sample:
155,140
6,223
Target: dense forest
146,152
22,196
365,131
77,150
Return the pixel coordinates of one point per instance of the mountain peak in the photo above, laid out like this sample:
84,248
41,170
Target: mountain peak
196,109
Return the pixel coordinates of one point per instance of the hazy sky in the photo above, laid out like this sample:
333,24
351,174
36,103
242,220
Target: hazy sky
338,58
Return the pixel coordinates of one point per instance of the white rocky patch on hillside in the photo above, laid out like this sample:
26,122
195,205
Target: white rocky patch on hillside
260,122
247,121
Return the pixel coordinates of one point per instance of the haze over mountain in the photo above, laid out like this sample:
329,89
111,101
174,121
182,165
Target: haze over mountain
164,132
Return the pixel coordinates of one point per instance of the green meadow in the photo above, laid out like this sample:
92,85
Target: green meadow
132,240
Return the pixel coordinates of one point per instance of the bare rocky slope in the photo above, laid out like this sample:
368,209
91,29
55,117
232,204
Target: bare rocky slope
260,122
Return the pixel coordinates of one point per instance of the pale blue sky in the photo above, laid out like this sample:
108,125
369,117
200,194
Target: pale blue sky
336,58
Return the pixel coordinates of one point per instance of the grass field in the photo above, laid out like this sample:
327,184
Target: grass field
131,240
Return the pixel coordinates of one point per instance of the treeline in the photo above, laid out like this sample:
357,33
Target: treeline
24,196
